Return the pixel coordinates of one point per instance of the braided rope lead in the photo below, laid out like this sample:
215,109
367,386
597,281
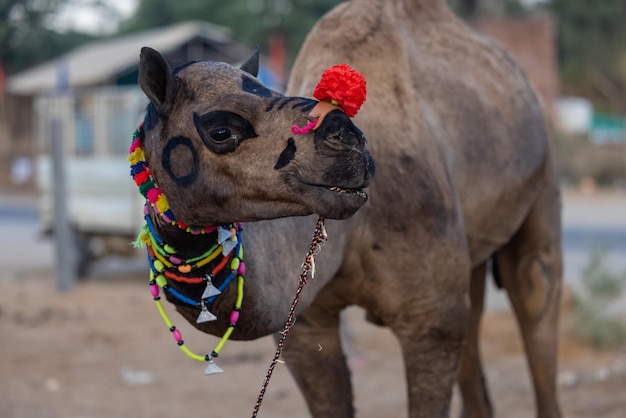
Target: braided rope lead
319,238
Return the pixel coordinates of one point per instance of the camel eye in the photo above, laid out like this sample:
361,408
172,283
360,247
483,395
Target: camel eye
222,131
220,134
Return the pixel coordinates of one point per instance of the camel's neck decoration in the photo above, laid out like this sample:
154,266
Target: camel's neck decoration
140,172
170,271
189,281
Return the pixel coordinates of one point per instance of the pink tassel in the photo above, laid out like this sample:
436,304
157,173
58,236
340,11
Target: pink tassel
136,143
296,130
153,194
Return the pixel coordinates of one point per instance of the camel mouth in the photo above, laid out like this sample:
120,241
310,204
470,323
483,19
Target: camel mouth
356,192
334,202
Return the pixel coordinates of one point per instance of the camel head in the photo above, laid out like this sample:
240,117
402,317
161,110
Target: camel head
219,145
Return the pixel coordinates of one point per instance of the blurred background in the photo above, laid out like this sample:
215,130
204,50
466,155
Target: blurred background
74,308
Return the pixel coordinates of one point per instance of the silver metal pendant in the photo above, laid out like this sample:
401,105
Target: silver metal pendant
210,290
223,234
213,368
228,246
205,315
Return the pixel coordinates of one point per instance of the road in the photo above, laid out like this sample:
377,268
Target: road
589,222
22,247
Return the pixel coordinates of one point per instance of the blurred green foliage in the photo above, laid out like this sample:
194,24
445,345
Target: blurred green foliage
600,288
251,21
472,9
26,38
592,50
591,35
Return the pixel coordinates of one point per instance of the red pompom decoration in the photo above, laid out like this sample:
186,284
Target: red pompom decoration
342,86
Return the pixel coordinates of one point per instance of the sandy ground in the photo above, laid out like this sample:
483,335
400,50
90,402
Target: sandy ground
102,351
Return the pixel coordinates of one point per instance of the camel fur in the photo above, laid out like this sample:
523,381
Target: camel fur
464,175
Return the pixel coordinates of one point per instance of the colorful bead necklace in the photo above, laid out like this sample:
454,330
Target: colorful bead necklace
148,188
168,268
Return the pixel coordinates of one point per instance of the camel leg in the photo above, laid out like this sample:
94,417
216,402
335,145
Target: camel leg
530,269
476,403
432,341
314,356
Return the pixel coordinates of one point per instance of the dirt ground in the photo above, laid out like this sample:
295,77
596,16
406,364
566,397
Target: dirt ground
102,351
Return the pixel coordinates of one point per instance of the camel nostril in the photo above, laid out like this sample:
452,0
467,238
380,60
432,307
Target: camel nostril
344,139
338,130
334,137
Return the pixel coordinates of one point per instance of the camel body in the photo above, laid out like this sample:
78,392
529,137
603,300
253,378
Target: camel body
463,175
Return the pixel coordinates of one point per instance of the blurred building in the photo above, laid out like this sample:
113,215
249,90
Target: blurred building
88,101
532,43
93,88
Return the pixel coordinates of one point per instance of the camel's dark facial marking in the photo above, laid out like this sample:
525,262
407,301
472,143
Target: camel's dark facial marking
253,86
286,102
222,131
180,160
288,154
272,103
305,104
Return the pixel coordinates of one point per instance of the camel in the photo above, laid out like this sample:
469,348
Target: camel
464,181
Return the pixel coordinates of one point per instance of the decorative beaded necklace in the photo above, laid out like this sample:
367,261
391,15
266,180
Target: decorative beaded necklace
148,188
169,270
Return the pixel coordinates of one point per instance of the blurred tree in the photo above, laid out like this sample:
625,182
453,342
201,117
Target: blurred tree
592,36
592,49
472,9
26,37
251,21
468,9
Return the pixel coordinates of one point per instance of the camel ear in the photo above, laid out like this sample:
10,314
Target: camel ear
251,66
156,80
